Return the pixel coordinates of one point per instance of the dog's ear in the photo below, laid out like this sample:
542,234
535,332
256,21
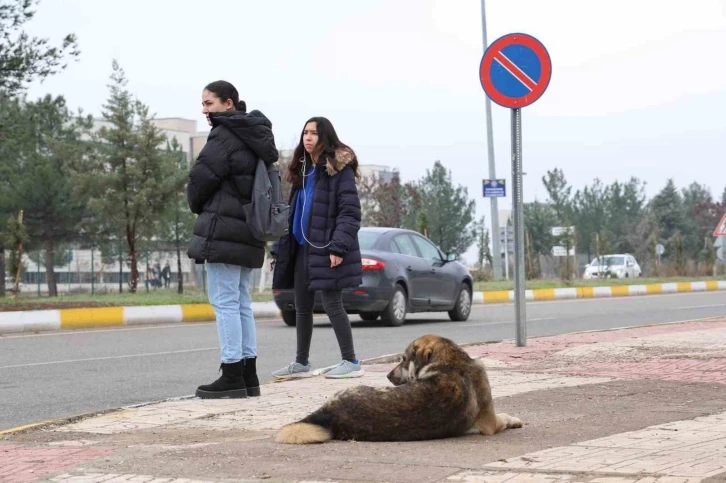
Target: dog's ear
423,356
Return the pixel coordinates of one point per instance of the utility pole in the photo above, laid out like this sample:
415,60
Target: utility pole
494,204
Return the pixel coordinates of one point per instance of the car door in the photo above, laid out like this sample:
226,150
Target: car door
416,269
440,282
632,267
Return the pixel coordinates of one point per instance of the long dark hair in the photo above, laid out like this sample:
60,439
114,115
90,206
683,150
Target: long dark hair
328,144
225,91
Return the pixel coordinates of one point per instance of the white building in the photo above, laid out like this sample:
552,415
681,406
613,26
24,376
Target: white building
384,172
185,131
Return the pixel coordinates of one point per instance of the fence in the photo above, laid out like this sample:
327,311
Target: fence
86,272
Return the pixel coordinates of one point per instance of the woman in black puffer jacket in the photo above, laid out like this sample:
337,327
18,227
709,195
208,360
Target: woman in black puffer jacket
220,183
321,251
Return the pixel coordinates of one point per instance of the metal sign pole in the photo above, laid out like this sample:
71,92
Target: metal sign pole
518,205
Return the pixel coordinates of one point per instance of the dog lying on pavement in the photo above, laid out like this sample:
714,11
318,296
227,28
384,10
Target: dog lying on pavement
439,392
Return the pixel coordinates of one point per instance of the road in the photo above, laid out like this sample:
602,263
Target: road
62,374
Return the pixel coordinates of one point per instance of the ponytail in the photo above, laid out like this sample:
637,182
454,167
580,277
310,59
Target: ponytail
225,91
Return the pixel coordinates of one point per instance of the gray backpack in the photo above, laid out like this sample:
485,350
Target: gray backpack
267,215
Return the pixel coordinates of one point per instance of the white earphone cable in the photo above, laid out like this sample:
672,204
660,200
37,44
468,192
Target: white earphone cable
303,216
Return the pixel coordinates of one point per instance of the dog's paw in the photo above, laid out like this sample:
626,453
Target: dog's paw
514,423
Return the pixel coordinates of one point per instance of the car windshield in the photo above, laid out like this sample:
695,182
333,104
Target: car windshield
367,239
609,261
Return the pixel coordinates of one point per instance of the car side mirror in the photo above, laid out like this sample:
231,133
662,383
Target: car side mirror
451,257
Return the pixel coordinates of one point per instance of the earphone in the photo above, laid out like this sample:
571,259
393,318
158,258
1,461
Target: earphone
302,226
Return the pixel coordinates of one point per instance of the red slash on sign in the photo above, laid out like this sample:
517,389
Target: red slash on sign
518,73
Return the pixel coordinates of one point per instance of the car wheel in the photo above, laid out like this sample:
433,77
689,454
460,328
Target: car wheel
395,314
369,316
289,317
462,309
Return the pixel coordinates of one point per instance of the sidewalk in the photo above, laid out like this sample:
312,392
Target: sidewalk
644,405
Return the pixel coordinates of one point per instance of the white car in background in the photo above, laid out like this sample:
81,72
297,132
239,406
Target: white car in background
613,266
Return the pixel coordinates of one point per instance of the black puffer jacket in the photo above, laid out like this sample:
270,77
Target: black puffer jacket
335,218
220,183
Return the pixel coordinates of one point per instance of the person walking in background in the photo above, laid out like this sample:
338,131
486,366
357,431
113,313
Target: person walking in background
166,275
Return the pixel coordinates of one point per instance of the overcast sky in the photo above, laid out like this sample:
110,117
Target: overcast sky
638,87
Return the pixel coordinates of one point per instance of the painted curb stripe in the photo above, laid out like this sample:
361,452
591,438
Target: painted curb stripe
500,296
544,294
35,320
496,297
155,314
197,312
96,317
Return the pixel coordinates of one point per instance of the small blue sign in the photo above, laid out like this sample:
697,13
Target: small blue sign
494,188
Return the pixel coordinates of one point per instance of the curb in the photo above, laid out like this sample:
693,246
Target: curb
62,319
505,296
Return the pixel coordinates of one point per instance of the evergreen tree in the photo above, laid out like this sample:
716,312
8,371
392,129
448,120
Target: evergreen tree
24,59
131,179
668,213
48,142
448,209
697,203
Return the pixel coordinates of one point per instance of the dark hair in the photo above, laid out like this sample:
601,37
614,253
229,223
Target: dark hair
225,91
328,144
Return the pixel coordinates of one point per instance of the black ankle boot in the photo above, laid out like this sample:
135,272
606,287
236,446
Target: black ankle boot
249,374
230,385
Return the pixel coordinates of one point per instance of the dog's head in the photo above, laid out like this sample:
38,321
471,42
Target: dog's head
420,354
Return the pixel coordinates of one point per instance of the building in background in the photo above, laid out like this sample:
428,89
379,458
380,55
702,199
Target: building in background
384,173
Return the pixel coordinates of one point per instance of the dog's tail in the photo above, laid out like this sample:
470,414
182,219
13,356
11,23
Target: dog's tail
303,433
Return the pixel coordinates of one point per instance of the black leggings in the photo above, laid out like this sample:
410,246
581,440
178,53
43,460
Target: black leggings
333,305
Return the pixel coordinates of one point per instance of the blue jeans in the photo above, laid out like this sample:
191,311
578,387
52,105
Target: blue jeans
228,287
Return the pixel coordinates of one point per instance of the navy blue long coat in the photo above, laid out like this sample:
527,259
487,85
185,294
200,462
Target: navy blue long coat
335,218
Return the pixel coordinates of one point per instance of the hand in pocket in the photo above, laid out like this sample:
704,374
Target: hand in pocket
335,260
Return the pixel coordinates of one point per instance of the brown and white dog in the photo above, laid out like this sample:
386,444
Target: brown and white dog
439,392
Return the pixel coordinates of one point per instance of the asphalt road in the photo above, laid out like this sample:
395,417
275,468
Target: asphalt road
62,374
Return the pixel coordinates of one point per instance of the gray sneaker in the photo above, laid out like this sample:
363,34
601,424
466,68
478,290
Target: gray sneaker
345,370
293,370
